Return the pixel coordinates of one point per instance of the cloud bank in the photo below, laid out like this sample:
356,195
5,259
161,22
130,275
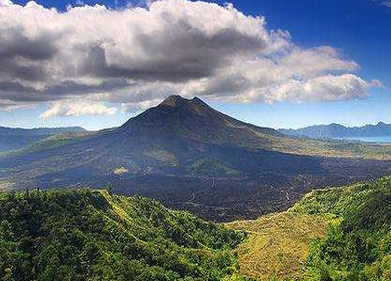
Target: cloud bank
135,56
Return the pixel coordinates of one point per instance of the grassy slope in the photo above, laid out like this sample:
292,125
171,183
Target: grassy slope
278,244
330,234
92,235
337,202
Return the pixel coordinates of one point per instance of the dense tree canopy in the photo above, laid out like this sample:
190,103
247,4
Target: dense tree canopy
91,235
359,247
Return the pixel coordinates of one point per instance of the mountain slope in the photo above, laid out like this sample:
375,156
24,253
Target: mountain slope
330,234
16,138
359,247
90,235
188,155
338,131
278,244
195,120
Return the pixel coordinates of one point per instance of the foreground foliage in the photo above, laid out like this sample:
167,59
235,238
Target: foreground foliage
92,235
341,234
359,248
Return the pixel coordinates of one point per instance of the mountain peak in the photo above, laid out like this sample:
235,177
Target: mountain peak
178,101
198,101
175,111
174,100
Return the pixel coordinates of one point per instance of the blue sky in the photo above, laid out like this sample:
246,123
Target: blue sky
359,29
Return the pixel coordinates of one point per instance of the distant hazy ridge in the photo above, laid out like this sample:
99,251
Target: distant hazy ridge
15,138
338,131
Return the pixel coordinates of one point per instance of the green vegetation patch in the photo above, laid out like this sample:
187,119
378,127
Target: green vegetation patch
163,156
211,167
278,244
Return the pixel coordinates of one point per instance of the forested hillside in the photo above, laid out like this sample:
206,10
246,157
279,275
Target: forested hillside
336,234
359,248
91,235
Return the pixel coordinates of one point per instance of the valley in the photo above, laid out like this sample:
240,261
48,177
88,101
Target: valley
278,244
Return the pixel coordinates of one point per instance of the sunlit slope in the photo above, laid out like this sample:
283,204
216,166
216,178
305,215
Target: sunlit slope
330,148
48,143
359,247
91,235
330,234
278,244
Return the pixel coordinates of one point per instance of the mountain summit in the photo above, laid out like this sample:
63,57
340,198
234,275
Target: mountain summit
172,110
177,117
178,101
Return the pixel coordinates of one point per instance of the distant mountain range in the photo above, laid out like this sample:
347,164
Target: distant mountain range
190,156
15,138
338,131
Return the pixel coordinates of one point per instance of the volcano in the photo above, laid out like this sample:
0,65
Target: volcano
191,156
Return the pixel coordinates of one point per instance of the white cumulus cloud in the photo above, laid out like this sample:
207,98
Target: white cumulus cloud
135,56
69,108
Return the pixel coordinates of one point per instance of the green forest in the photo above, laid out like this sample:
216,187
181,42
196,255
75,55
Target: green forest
93,235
